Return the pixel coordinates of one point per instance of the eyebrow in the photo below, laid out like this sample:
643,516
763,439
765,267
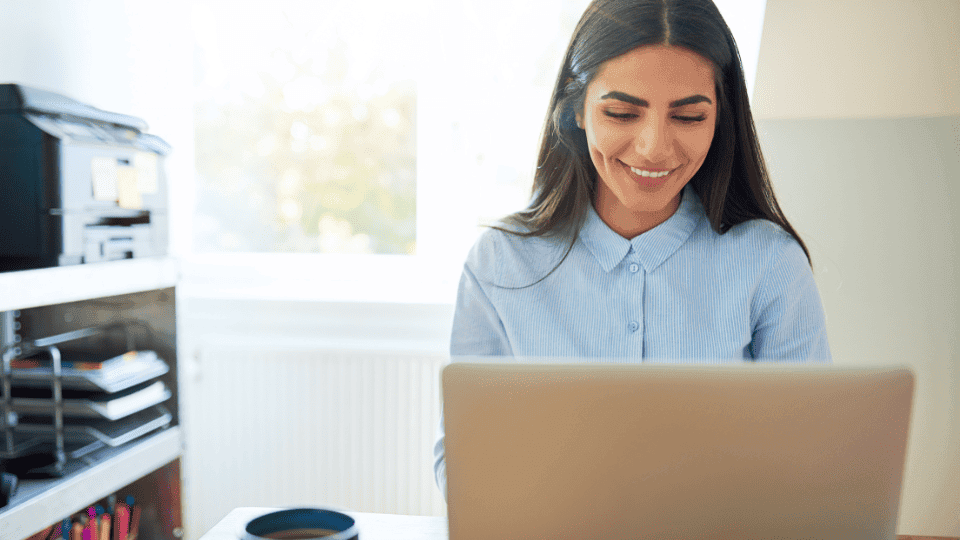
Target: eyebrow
697,98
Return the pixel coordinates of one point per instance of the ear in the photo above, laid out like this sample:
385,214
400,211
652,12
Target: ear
579,119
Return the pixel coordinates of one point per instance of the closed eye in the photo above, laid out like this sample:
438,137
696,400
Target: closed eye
684,119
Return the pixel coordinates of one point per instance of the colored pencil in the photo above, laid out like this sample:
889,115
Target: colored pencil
94,524
123,520
105,526
90,530
135,524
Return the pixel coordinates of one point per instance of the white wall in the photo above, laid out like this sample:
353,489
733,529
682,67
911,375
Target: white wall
858,111
859,59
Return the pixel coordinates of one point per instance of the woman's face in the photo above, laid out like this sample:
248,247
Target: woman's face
649,117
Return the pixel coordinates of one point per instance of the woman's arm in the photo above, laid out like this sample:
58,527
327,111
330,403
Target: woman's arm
477,331
477,328
789,323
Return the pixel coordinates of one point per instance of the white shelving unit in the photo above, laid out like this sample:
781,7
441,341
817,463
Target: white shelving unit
47,286
58,295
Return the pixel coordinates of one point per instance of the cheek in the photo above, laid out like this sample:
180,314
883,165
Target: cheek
696,145
608,140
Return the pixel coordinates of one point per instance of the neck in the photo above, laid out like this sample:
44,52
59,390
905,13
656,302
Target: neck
630,223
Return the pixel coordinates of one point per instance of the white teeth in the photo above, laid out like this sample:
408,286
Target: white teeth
650,174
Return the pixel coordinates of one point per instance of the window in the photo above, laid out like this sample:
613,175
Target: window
305,116
352,135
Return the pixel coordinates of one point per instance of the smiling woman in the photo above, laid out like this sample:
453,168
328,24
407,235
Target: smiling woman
653,232
688,52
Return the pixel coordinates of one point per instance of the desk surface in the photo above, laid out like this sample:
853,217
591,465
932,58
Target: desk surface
371,526
384,526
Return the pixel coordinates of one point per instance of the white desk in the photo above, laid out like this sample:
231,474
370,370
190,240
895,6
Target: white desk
386,526
371,526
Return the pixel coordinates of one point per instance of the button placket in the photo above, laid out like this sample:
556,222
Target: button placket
634,323
634,268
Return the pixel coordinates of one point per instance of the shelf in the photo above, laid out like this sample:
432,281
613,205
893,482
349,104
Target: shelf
39,503
46,286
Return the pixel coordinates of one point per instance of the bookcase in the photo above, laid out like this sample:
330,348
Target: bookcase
50,301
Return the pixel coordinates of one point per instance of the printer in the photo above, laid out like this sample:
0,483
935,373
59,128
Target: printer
77,184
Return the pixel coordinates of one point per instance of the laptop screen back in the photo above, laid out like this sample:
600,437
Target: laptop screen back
639,451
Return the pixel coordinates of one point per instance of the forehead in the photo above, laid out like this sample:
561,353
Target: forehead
655,72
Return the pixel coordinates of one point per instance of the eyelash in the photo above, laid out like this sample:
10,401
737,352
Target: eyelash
684,119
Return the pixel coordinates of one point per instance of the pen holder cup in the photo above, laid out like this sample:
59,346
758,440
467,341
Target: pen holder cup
302,524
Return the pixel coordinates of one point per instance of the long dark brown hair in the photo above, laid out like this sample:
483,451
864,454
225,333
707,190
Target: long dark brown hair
732,183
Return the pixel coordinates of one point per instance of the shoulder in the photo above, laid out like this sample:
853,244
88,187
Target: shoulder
763,241
498,253
489,250
758,232
757,251
774,257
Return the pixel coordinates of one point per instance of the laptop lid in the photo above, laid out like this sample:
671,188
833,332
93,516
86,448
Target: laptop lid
651,451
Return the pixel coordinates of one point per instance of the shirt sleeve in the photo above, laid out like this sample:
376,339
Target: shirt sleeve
439,463
790,323
477,331
477,328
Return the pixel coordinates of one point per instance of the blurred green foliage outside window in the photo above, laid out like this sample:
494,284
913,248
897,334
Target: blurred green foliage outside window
305,120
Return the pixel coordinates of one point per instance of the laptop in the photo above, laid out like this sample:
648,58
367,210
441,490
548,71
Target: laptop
610,451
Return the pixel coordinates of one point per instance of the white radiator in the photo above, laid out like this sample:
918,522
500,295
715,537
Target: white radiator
268,426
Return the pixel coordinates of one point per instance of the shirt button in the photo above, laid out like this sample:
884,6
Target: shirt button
634,267
634,326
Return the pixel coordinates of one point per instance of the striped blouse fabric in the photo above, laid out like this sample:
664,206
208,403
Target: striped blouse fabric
678,292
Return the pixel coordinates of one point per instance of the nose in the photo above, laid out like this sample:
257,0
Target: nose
653,140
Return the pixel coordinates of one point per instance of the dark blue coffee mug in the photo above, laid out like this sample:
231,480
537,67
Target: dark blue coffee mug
302,524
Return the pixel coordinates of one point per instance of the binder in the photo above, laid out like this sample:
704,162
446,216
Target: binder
88,430
138,367
86,404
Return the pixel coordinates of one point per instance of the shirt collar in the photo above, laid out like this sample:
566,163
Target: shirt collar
652,247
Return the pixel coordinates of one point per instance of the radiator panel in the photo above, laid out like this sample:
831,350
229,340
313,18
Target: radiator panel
310,427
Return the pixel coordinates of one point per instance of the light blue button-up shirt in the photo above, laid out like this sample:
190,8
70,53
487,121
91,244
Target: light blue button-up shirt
679,291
